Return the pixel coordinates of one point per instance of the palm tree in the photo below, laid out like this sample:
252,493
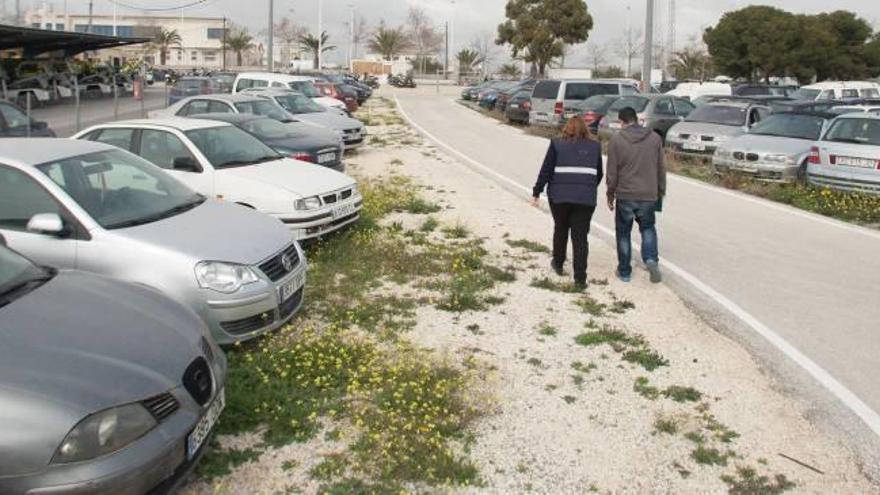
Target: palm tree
164,40
510,70
691,63
239,41
467,60
388,42
309,43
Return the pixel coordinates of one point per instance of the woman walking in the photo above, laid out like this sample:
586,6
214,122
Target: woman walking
573,170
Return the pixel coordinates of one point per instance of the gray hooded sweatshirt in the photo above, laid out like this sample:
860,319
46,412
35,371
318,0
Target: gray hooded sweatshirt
636,170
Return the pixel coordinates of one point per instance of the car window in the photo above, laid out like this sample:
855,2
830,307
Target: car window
796,126
121,138
719,114
218,107
546,90
263,108
626,89
243,84
664,107
854,131
849,93
21,198
297,104
305,87
637,103
277,84
267,129
13,116
194,107
683,107
870,93
229,146
161,148
582,91
826,95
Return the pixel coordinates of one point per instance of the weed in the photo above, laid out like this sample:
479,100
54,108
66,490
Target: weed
609,335
578,380
474,329
419,206
748,482
527,245
429,225
506,275
583,368
599,282
643,387
646,358
667,425
289,465
710,456
569,399
621,306
222,462
535,362
682,394
552,285
591,306
695,437
457,231
333,466
396,161
547,329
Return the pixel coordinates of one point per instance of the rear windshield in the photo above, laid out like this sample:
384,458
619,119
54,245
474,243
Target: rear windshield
305,87
598,102
719,114
192,83
582,91
547,90
792,126
806,94
855,131
637,103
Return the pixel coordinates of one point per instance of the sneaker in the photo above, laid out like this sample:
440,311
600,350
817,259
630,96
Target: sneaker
623,278
654,270
556,268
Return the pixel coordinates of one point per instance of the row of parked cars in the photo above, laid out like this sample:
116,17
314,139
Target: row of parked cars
40,83
827,134
133,251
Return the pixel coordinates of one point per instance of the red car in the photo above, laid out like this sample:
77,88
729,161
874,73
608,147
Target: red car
332,90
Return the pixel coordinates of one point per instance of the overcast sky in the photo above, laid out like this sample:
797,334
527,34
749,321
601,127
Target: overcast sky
474,18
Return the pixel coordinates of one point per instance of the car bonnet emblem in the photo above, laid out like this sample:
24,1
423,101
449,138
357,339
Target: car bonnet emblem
286,262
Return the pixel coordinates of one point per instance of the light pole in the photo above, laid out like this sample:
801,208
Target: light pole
648,62
270,46
320,36
351,38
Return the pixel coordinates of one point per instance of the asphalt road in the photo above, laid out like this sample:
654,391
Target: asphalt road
793,278
62,117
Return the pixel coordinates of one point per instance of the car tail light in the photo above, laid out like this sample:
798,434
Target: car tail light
302,156
590,117
558,108
642,119
527,105
813,157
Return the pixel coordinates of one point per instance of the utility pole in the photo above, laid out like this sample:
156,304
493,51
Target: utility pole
670,42
629,42
223,47
446,64
17,12
351,38
648,62
115,21
91,12
270,48
320,34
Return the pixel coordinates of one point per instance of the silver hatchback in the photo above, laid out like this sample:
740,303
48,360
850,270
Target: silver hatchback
848,155
91,206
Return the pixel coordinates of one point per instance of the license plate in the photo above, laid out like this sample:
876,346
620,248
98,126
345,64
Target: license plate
514,105
541,117
289,289
848,161
326,157
694,147
343,211
197,437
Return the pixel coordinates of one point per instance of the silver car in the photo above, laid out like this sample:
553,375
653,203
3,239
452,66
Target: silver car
775,150
91,206
848,156
712,125
106,387
306,110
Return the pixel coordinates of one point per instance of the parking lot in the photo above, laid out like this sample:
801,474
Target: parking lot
95,111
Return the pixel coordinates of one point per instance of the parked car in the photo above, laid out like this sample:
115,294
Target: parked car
33,88
93,207
552,99
848,155
518,107
223,81
860,108
505,95
763,90
306,110
804,106
284,140
838,90
105,386
222,161
191,86
302,84
693,90
776,149
712,125
247,103
657,112
363,92
339,92
593,109
15,123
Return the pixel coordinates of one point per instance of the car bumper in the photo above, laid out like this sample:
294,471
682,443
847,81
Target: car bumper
324,221
517,115
842,181
544,120
763,171
678,149
354,140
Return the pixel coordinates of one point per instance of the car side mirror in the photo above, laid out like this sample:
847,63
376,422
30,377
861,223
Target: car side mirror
47,223
185,164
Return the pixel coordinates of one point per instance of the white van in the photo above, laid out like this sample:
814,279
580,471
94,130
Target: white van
838,90
301,84
555,100
694,90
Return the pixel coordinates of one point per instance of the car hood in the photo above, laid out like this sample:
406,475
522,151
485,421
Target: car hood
85,342
216,231
707,129
769,144
331,120
300,178
329,102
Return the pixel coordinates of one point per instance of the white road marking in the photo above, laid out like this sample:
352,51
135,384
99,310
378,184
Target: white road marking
845,395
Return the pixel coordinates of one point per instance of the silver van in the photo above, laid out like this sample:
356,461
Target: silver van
555,101
93,207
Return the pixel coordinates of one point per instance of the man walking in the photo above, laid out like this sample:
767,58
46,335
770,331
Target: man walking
636,179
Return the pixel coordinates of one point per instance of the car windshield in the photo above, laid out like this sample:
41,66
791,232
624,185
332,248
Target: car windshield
191,83
855,131
118,189
263,108
18,275
225,78
267,129
637,103
805,94
297,104
791,126
229,146
305,87
719,114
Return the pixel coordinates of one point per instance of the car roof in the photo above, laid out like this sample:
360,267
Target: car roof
230,118
179,123
860,115
233,98
34,151
730,103
843,85
823,115
270,91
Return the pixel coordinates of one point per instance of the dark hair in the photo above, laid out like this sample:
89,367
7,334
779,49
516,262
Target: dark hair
576,130
627,115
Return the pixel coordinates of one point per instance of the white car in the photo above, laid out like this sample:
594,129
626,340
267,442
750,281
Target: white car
224,162
300,84
838,90
848,155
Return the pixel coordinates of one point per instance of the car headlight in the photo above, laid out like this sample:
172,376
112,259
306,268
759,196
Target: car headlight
723,153
104,432
669,135
779,158
312,203
224,277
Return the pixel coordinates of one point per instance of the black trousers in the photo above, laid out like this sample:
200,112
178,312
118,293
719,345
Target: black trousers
575,219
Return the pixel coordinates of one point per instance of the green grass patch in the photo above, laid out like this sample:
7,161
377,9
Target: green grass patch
608,335
666,425
332,466
419,206
591,306
747,481
429,225
527,245
222,462
547,330
682,394
643,387
552,285
621,306
583,368
646,358
710,456
569,399
457,231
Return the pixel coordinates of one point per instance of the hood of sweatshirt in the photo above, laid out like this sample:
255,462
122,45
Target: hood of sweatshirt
635,134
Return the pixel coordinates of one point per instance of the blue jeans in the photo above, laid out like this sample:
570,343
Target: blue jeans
643,213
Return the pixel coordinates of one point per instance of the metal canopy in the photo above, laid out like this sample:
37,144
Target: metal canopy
35,42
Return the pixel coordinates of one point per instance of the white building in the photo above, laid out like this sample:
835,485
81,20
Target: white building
201,37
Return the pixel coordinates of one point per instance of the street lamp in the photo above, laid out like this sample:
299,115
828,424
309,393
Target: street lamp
648,63
320,36
270,59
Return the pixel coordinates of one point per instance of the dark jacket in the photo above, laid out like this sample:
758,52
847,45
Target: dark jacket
573,169
636,170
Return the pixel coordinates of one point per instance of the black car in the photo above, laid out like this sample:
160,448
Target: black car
518,107
504,95
594,108
15,123
296,143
